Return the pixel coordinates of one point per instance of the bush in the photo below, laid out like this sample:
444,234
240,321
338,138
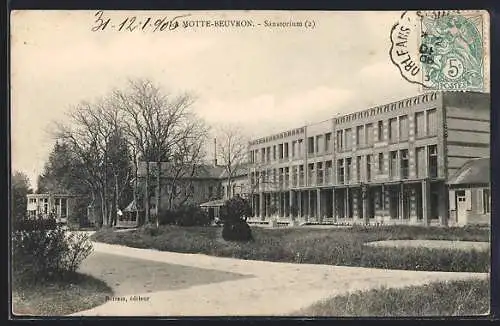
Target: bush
233,214
47,254
32,224
237,231
185,216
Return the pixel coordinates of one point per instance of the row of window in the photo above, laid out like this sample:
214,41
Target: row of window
365,135
426,165
397,130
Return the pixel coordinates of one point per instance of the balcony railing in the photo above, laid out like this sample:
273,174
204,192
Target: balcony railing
405,172
319,179
433,172
341,179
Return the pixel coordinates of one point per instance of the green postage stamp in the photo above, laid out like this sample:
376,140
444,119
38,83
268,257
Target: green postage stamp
443,50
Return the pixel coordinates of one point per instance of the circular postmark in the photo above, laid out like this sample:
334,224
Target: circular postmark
439,50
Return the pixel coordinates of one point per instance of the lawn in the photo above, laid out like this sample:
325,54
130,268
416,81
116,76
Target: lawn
342,246
457,298
75,293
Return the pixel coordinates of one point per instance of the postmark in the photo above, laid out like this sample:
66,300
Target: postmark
442,50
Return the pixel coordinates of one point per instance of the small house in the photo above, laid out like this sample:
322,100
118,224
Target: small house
470,194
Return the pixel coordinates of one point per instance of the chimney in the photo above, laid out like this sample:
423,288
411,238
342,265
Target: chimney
215,151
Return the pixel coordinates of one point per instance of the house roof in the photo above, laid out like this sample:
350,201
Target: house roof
213,203
132,207
476,171
239,171
202,171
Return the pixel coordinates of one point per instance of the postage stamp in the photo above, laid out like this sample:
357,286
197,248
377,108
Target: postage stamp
443,50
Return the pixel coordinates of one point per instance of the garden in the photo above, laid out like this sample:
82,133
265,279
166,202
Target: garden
45,260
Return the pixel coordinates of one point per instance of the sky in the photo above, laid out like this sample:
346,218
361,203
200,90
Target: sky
263,80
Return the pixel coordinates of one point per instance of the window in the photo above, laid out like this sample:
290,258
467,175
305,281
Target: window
420,162
340,140
310,145
340,169
433,163
328,142
360,135
348,169
420,124
368,167
64,206
404,164
381,163
299,147
393,130
274,152
393,163
301,175
263,155
348,138
403,128
294,150
358,168
369,134
486,201
380,130
280,151
286,150
432,122
319,172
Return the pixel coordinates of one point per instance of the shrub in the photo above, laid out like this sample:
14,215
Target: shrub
185,216
237,231
233,214
35,224
44,254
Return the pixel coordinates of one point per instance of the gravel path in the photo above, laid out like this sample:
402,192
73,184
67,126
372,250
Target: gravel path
243,288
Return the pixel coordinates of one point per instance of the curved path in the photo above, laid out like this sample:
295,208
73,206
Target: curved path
154,283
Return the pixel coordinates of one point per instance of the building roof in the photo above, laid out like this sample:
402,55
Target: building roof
476,171
239,171
213,203
132,207
202,171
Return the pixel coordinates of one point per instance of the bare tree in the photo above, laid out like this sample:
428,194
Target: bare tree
161,126
89,131
232,151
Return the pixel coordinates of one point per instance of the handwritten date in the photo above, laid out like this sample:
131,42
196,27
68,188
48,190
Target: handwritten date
132,23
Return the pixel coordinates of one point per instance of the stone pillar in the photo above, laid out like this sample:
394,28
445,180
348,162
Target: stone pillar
308,215
347,208
426,201
291,204
355,203
364,198
413,204
319,215
261,206
387,201
334,207
299,203
400,201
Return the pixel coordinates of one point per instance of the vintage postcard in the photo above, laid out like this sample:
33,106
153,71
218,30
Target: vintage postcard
250,163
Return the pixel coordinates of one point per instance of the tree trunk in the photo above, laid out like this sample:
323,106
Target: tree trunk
115,208
158,191
136,185
146,200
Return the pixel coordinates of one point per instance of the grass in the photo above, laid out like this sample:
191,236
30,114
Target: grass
76,292
456,298
343,246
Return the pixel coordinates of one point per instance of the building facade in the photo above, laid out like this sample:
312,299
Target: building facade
383,165
43,205
470,194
